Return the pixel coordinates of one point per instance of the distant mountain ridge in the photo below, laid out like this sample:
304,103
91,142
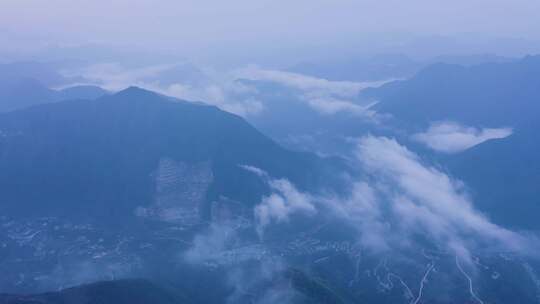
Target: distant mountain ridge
386,66
23,84
45,73
487,94
504,174
22,93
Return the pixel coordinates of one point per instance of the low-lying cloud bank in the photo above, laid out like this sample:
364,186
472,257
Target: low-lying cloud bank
451,137
399,207
418,199
399,201
324,96
281,204
301,82
222,89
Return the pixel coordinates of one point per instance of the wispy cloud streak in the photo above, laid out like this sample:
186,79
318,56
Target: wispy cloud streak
451,137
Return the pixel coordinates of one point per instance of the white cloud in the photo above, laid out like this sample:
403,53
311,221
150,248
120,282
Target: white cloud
205,85
114,77
218,95
303,82
420,200
255,170
399,200
285,201
451,137
324,96
209,244
362,210
400,206
269,275
330,105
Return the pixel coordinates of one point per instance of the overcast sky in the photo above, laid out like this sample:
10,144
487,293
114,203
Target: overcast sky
191,25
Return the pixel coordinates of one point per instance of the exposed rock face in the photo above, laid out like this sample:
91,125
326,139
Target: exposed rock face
180,191
228,211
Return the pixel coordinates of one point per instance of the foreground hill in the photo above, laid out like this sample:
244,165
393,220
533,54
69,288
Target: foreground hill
140,291
117,292
137,152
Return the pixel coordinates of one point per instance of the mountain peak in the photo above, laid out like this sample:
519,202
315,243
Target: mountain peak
134,90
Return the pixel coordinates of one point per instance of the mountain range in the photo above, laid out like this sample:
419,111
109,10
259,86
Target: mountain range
106,187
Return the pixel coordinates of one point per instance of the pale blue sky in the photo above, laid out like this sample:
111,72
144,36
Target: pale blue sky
195,25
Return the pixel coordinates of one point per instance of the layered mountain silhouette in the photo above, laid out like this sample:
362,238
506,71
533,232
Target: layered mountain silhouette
20,93
72,170
487,94
504,174
372,68
46,73
23,84
385,66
